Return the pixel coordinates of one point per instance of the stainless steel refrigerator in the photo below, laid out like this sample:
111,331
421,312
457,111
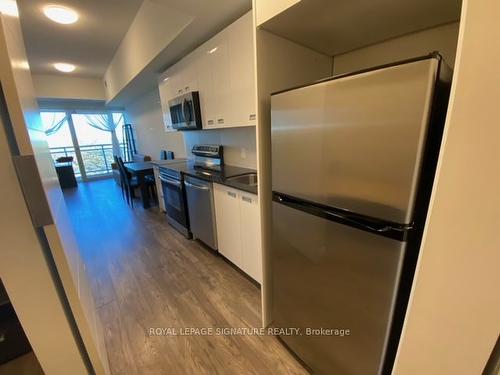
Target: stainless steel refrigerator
353,160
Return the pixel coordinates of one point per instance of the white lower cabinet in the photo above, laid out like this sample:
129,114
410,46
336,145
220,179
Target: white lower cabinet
250,235
238,229
227,217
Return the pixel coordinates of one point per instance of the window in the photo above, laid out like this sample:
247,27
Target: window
91,138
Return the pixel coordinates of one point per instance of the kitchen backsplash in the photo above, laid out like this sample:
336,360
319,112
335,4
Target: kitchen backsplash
239,144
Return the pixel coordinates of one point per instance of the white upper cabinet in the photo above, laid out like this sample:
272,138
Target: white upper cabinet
206,87
242,71
222,70
221,79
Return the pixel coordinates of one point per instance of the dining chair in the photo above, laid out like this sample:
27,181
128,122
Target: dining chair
117,163
129,182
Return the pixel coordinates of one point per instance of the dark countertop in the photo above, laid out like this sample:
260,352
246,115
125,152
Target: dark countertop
219,177
222,177
160,163
139,167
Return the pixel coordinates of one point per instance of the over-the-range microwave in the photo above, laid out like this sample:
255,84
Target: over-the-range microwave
185,111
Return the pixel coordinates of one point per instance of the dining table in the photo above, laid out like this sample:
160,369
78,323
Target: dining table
141,170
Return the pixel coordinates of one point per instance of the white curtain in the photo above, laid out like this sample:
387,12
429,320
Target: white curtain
55,124
105,122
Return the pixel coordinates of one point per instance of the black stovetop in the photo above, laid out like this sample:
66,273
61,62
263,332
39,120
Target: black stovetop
219,176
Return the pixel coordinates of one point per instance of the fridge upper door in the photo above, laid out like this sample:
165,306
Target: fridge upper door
355,142
332,276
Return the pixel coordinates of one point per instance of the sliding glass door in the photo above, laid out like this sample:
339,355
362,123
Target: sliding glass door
91,138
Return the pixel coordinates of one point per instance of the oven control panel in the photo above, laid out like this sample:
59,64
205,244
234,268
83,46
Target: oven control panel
208,151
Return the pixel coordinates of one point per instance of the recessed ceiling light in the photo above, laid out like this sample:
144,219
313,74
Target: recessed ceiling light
60,14
165,79
213,50
65,68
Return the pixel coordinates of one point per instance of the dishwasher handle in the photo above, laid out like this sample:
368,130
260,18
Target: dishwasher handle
170,181
188,184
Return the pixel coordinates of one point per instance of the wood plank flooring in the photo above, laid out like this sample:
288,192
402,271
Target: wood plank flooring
144,275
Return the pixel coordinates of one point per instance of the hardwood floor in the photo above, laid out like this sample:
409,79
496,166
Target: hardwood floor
145,275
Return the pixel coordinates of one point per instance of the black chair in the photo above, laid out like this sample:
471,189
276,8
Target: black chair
117,163
127,182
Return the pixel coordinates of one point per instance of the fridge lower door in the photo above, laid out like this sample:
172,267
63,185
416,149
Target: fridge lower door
332,276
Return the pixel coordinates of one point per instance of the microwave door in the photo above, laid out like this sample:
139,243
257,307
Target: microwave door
187,111
177,115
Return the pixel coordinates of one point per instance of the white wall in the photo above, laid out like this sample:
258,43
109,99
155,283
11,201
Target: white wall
453,318
442,39
281,64
239,144
146,118
153,28
51,86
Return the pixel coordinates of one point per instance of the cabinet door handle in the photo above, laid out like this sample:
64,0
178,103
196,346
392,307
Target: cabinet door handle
252,117
231,194
210,122
247,199
220,121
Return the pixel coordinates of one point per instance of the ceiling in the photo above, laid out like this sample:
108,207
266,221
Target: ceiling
92,42
335,27
89,44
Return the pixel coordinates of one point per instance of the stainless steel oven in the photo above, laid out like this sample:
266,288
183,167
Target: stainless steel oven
175,202
185,111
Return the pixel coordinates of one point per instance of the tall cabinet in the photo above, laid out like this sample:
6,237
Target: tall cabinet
222,70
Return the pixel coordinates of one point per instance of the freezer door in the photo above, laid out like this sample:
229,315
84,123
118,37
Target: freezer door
329,275
355,142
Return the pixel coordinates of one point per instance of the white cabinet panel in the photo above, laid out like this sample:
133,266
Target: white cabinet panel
227,213
242,71
238,229
250,235
206,86
222,87
166,93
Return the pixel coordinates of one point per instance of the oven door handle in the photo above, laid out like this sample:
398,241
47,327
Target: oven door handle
170,181
196,186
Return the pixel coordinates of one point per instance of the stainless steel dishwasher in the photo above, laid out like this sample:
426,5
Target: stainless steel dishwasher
200,202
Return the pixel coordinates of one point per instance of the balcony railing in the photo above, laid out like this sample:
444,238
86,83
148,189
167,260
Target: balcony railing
97,159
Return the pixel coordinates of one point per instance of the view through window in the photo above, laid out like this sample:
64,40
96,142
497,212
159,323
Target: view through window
91,138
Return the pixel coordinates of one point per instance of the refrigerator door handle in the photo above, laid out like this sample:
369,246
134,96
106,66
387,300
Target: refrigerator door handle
373,225
380,229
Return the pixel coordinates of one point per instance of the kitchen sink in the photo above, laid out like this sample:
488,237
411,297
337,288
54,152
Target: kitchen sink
249,179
